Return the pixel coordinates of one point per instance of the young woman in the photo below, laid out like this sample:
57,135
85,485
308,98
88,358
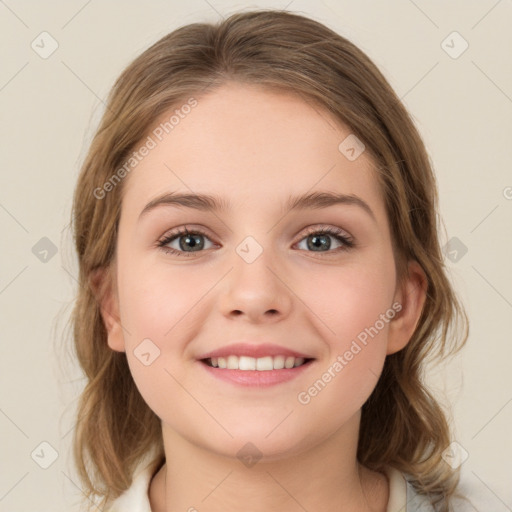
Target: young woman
261,282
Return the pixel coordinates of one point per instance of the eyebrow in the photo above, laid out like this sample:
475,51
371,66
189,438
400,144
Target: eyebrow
207,202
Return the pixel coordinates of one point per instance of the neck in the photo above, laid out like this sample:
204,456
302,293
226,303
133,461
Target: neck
323,476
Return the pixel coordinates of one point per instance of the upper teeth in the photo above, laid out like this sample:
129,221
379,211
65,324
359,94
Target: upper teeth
260,363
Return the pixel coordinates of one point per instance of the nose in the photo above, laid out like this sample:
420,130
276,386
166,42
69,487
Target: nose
258,291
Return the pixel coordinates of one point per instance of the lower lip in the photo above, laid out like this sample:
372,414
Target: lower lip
256,378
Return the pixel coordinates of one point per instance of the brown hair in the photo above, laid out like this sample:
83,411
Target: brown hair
402,425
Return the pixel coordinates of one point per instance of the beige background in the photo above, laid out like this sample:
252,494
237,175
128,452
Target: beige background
50,107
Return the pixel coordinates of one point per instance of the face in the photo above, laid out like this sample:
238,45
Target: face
255,271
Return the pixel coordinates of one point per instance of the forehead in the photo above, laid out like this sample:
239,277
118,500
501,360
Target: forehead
253,146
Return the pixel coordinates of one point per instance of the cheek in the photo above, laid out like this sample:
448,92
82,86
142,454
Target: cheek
349,299
354,309
160,309
157,302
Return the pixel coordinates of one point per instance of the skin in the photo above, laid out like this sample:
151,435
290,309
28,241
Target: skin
255,148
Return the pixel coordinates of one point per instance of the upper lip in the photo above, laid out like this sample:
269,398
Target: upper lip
253,350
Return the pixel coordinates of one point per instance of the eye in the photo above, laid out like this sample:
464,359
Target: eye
319,238
185,240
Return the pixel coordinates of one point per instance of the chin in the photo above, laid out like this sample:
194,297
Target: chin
267,444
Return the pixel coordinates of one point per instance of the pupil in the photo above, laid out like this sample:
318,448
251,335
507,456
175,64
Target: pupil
192,240
320,241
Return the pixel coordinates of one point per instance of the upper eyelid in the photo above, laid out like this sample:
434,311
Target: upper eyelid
183,230
319,227
192,228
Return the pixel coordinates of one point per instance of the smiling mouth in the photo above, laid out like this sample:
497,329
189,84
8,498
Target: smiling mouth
262,364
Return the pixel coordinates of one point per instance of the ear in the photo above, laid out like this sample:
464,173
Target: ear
103,286
411,296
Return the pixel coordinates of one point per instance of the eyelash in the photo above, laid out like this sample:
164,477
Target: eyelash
348,243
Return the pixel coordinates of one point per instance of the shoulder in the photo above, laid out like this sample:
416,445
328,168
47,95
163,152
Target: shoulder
404,498
136,497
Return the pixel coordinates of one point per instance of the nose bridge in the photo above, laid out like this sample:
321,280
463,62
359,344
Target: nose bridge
254,285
